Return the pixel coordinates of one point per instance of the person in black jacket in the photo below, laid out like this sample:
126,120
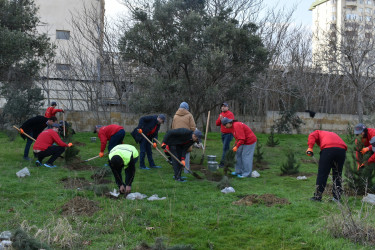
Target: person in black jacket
150,126
33,127
179,140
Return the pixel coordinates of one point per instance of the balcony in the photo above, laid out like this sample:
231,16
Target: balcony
351,3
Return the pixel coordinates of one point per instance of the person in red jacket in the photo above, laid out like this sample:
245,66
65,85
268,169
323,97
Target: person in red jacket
372,148
113,133
51,111
226,135
366,135
332,156
244,146
44,147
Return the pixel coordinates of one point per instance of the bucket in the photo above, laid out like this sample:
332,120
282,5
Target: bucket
211,157
212,166
93,139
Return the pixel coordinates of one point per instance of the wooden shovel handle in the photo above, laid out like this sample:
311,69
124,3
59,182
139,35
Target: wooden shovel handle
24,133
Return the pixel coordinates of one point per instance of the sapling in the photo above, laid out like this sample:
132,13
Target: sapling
290,166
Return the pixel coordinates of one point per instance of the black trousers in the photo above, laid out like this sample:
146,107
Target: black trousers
177,167
129,172
55,151
330,158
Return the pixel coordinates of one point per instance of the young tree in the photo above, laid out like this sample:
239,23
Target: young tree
192,55
22,53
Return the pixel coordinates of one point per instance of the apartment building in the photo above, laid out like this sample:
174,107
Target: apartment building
330,16
60,20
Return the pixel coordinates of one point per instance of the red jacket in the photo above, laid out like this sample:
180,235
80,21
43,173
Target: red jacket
366,141
105,134
51,111
223,129
325,139
243,134
46,139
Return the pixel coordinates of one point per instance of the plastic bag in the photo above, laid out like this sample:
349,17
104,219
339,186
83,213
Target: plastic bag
136,195
301,178
155,197
255,174
370,198
114,193
228,190
23,172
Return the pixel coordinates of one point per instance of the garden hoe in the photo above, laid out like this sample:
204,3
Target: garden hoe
166,158
92,158
205,138
191,172
19,130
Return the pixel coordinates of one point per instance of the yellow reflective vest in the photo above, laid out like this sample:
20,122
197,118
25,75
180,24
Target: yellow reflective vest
125,151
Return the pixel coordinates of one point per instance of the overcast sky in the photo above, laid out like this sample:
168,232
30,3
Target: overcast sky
302,13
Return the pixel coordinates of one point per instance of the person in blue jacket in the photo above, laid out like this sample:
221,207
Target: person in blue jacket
150,126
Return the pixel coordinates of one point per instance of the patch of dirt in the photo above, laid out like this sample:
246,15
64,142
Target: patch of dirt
102,181
214,176
77,164
299,174
197,167
80,206
74,183
80,144
266,199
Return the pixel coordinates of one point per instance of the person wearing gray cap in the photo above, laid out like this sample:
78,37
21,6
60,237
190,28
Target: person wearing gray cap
365,135
372,157
244,146
150,126
179,141
184,119
226,135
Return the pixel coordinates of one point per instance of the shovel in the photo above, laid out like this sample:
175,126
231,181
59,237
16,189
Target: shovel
191,172
205,138
24,133
166,158
92,158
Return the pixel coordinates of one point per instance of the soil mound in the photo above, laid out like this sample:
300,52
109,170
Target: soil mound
77,143
80,206
77,164
266,199
74,183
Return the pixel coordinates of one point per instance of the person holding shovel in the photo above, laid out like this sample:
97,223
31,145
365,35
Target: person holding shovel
179,141
332,156
244,146
113,133
184,119
33,127
44,147
51,111
123,156
226,135
150,126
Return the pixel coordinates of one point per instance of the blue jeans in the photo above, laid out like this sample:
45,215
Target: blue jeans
226,139
116,139
244,159
145,148
28,144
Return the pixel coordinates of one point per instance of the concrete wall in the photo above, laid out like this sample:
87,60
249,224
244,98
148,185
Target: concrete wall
85,121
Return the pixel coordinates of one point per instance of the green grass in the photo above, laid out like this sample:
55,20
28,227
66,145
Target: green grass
194,213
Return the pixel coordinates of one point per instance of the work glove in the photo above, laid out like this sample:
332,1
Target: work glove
154,145
309,152
101,154
235,149
140,131
364,150
70,144
21,131
183,163
163,145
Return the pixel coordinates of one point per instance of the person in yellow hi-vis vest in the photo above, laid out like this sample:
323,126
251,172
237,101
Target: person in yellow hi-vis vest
123,156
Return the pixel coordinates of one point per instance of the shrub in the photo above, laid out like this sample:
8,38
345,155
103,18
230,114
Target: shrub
290,166
271,140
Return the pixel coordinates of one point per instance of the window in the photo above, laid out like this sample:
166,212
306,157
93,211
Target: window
360,18
351,16
368,1
368,10
62,67
333,18
368,18
360,10
62,34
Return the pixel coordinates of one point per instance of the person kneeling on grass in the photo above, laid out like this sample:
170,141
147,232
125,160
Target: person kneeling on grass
43,146
370,148
332,156
123,156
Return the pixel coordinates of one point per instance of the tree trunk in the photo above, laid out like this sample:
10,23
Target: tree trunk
359,104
